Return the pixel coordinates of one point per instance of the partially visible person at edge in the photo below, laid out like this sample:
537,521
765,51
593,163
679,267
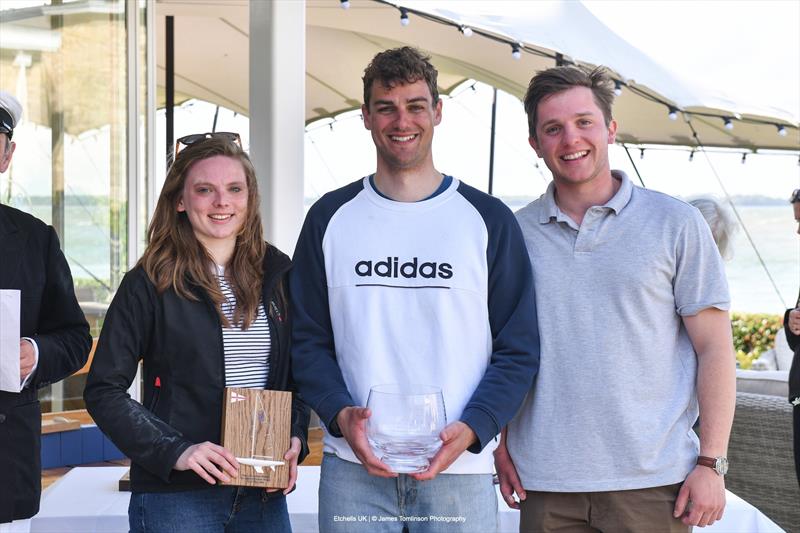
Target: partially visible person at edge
791,324
205,308
636,340
54,335
456,311
721,221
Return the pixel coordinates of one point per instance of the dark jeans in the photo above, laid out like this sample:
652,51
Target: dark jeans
211,510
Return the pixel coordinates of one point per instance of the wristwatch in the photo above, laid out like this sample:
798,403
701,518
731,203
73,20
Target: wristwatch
718,464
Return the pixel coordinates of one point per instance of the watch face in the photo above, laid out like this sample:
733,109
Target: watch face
722,466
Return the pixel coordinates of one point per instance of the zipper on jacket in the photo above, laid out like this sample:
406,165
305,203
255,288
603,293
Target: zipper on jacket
215,314
156,394
274,336
275,310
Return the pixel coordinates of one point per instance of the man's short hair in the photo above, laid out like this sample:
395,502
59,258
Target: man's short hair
557,79
400,66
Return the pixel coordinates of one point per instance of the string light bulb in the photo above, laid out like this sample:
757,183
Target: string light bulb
728,123
673,113
344,4
466,30
515,52
641,153
404,16
691,156
744,158
781,130
617,88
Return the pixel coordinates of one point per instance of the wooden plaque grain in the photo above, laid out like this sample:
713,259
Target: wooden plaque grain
257,423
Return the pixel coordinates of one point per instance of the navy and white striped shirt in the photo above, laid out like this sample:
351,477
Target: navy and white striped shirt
246,351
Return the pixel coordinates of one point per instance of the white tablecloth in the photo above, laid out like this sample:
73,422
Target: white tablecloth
87,500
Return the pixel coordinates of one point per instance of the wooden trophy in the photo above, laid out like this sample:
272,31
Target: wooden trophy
256,429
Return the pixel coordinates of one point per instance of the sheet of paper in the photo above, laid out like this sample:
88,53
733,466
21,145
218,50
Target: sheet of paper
9,340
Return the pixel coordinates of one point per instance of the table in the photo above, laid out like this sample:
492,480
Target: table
87,500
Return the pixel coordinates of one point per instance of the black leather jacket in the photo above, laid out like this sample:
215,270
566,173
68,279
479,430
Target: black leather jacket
180,343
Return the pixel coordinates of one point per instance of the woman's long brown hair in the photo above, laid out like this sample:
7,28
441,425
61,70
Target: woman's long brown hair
174,258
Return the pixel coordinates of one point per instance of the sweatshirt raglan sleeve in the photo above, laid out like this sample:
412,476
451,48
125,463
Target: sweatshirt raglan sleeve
512,318
315,369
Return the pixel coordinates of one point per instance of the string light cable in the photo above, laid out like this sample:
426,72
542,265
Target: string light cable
635,168
517,48
460,27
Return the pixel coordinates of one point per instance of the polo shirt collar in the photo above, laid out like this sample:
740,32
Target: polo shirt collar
549,209
617,202
623,196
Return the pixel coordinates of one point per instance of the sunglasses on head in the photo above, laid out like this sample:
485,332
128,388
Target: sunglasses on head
196,138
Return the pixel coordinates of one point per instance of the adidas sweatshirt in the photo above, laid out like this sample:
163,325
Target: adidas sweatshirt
436,292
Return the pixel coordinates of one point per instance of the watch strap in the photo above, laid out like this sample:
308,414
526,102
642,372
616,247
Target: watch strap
710,462
717,464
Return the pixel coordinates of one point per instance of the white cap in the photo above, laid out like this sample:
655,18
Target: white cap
10,112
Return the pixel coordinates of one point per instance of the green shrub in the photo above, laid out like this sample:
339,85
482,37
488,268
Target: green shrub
753,334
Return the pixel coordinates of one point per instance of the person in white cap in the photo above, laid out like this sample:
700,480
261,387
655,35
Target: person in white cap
10,115
54,343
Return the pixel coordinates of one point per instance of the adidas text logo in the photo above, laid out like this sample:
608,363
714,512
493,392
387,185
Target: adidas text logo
393,268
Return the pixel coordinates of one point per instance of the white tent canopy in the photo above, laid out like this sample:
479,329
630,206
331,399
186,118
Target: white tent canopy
339,44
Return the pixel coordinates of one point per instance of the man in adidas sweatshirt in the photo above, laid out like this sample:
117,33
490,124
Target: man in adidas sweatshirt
411,276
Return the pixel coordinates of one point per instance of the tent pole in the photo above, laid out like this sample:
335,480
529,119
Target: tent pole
170,85
634,165
491,140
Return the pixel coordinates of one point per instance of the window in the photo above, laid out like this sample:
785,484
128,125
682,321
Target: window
69,64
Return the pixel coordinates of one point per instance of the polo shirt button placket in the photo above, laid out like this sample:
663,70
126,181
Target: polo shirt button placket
585,239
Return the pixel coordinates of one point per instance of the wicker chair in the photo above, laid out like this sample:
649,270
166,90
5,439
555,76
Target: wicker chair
762,460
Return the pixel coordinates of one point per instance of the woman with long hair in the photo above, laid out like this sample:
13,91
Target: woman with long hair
204,308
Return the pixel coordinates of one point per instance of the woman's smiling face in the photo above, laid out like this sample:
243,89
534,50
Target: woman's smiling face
214,199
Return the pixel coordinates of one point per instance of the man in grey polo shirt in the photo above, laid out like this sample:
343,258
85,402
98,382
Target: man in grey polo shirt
635,338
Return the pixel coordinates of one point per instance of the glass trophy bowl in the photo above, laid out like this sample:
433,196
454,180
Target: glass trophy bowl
404,428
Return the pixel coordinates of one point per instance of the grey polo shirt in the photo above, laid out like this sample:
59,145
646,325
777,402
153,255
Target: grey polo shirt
614,402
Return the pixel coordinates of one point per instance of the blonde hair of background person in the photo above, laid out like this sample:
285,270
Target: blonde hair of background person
722,222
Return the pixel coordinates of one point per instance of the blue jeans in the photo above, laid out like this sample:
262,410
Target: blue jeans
211,510
350,500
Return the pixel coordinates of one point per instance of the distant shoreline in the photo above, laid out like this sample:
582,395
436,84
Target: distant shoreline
751,200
